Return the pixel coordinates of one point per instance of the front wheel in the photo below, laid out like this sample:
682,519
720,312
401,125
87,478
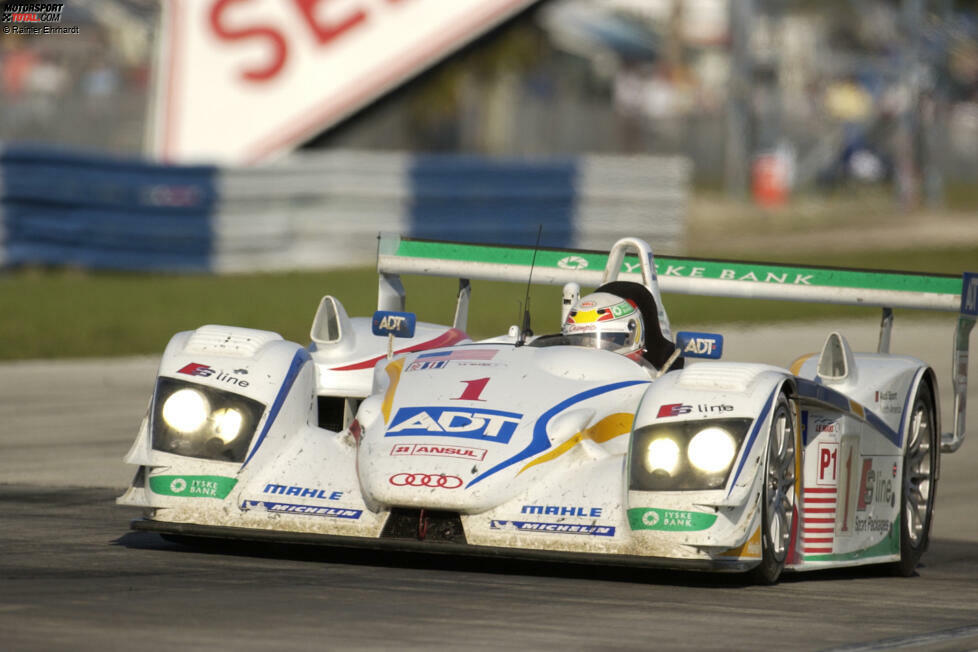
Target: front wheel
919,481
779,495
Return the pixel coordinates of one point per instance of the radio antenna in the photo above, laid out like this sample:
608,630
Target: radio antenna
525,327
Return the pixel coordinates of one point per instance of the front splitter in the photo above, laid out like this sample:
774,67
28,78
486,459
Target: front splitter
443,548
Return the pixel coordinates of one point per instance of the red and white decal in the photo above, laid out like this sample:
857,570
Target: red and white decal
828,464
243,80
462,452
818,534
448,338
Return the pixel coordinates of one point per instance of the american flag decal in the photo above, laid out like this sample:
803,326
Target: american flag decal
818,534
459,354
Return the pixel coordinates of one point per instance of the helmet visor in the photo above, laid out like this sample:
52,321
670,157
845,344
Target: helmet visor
610,341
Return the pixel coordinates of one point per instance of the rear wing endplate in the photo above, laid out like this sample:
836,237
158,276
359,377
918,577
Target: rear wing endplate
706,277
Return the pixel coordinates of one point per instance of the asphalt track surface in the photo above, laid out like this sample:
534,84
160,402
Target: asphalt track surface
74,577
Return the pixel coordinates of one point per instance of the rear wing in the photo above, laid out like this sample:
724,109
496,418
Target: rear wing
707,277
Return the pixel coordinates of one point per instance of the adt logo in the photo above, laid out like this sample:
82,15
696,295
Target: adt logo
491,425
674,410
398,324
969,294
700,345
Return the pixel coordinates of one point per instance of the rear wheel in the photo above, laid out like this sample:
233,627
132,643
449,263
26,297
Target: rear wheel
779,495
919,481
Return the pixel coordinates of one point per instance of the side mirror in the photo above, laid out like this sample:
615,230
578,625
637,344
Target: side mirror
699,345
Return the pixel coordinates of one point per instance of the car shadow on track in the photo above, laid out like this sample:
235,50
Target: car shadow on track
439,562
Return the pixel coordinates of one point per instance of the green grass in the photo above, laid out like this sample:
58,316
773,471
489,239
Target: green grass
69,313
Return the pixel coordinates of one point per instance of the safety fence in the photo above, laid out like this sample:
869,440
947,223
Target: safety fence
321,209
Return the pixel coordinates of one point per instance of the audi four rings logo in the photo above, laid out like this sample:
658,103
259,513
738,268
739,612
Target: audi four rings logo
426,480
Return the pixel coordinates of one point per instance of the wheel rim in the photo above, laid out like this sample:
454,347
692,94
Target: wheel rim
918,471
780,484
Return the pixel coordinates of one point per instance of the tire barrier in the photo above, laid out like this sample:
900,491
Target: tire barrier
319,210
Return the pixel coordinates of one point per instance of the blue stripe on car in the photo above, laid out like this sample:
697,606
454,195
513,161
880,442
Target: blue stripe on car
300,358
809,389
750,440
906,406
541,441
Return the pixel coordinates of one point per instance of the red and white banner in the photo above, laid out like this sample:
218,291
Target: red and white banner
238,81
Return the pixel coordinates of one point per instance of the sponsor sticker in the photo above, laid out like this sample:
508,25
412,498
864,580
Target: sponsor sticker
700,345
674,410
192,486
678,409
562,510
890,402
489,425
461,452
572,262
428,480
302,492
876,486
304,510
389,322
669,520
205,371
555,528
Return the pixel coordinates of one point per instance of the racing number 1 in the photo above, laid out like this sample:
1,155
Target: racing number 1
473,389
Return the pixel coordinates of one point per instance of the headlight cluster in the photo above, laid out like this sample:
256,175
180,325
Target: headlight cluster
203,422
691,455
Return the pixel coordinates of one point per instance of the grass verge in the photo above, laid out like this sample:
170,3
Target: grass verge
70,313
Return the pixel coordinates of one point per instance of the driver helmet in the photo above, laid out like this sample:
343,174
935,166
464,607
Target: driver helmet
605,321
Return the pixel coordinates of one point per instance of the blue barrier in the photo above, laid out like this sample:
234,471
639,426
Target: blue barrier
70,208
492,201
320,209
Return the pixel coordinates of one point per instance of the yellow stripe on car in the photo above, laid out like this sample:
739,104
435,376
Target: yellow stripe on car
394,373
613,425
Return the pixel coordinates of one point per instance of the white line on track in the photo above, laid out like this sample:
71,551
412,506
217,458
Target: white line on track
929,638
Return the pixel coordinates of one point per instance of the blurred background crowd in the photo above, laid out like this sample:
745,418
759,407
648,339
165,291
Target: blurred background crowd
762,95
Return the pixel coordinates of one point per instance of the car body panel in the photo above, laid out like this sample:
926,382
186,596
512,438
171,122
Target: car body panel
523,446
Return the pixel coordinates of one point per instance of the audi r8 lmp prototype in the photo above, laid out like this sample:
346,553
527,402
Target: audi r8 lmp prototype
529,446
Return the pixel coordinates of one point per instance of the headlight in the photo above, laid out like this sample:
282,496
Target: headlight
227,424
662,455
203,422
185,410
711,450
685,456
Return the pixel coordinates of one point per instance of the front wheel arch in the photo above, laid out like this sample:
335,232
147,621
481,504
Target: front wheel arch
778,493
918,487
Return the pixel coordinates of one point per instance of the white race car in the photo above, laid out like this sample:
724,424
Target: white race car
534,447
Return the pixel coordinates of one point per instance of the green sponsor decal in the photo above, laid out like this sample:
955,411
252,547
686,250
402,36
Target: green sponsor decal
192,486
622,309
890,545
666,266
669,520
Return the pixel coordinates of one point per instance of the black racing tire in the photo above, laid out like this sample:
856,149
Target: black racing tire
778,494
919,486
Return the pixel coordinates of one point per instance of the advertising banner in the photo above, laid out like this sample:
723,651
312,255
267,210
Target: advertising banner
239,81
